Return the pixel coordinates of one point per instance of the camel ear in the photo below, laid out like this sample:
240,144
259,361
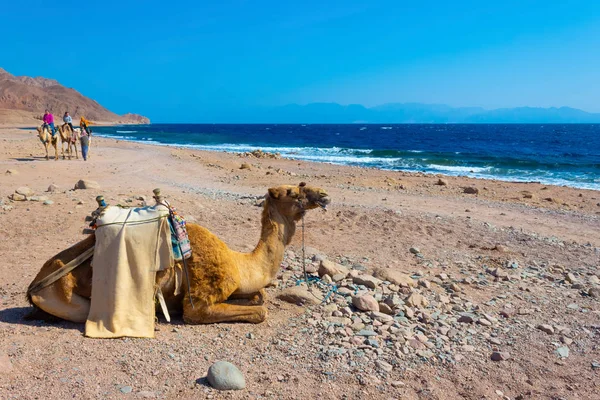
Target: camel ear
274,193
302,184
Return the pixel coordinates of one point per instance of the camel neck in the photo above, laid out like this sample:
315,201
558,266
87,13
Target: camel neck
277,232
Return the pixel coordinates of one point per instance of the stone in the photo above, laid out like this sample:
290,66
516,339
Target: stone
396,277
384,366
468,348
546,328
379,316
562,352
126,389
25,191
470,190
425,283
594,292
500,356
484,322
417,300
365,303
48,202
594,280
343,321
52,188
366,332
569,277
338,277
17,197
501,248
442,182
466,318
366,280
223,375
245,166
330,268
566,340
38,198
414,250
299,295
86,184
385,309
397,384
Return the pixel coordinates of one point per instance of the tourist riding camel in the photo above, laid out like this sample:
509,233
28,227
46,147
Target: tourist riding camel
218,275
49,121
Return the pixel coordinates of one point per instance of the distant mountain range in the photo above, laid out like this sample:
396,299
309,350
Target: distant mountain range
23,100
412,113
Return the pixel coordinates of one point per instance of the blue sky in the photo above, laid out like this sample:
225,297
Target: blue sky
202,61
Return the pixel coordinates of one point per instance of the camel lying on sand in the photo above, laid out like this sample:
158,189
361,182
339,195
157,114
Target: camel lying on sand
45,136
217,274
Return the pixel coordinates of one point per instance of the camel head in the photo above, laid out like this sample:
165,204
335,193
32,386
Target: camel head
294,201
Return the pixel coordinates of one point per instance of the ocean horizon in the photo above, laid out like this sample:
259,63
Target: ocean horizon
557,154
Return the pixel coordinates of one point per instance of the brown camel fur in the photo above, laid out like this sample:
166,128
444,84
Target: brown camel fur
219,276
45,136
70,137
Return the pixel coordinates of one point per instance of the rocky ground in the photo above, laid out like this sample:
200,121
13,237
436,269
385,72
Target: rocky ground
418,288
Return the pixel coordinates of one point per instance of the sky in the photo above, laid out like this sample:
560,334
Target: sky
203,61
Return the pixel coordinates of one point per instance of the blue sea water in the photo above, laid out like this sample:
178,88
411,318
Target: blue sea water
566,154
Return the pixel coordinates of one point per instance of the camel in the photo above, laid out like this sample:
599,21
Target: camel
225,285
70,137
45,136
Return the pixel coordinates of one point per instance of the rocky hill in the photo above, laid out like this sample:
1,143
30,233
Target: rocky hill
23,95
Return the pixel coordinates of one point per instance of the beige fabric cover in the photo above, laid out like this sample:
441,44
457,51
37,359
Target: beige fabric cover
126,258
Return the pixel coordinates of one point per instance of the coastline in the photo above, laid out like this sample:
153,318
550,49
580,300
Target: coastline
374,218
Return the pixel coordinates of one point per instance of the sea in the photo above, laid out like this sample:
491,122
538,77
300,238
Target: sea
558,154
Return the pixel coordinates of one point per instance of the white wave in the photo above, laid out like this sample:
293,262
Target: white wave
126,131
455,168
386,127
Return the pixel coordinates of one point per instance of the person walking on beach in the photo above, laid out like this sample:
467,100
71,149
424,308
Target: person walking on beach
49,121
85,144
68,120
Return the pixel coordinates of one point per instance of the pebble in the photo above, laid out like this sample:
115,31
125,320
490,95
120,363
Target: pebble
471,190
126,389
52,188
366,280
414,250
86,184
500,356
331,268
299,295
223,375
384,366
466,318
365,303
562,352
417,300
48,202
546,328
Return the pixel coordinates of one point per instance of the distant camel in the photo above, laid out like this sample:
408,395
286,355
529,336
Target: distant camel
45,136
70,137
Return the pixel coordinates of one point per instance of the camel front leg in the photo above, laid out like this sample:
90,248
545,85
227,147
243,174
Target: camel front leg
76,155
251,299
55,151
46,147
223,312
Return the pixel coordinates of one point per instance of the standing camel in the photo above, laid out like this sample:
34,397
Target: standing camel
45,136
70,137
217,274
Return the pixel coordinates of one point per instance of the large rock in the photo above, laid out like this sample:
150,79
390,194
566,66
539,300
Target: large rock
87,184
470,190
223,375
330,268
396,277
17,197
366,280
25,191
300,296
365,302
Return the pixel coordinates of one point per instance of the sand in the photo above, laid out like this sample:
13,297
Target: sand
374,219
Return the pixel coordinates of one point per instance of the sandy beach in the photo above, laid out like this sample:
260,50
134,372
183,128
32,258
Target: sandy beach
525,254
